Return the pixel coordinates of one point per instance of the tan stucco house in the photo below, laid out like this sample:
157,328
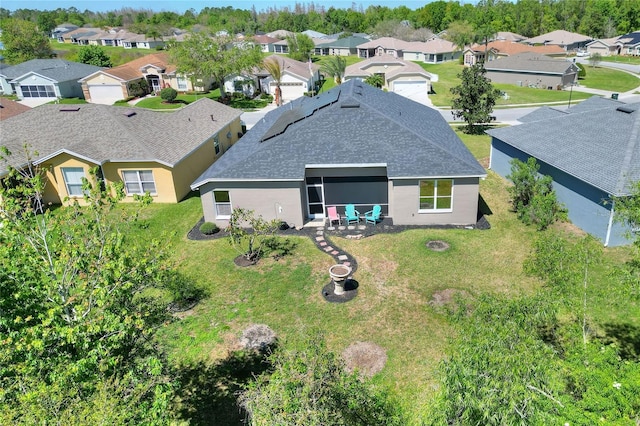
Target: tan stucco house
402,77
532,70
354,144
156,152
114,84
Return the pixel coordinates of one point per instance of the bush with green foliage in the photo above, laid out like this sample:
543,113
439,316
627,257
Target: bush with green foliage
582,72
168,94
94,55
310,386
139,88
532,195
250,234
209,228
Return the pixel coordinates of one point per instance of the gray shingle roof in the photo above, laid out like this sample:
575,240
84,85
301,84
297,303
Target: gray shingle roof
55,69
529,61
542,113
364,126
598,146
347,42
104,133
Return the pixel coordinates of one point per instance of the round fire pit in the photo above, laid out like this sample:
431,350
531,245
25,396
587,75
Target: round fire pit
339,274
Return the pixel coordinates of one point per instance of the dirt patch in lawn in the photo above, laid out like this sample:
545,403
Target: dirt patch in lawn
449,297
365,357
438,245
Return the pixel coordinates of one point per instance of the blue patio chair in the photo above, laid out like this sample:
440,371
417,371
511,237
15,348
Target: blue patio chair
351,214
373,216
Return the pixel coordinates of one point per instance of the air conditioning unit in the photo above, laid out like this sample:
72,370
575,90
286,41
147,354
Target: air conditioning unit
519,83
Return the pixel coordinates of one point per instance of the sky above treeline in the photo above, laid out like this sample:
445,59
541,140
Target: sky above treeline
180,6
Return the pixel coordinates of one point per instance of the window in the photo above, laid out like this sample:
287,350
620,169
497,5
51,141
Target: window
138,182
216,144
436,195
38,91
222,204
182,83
73,180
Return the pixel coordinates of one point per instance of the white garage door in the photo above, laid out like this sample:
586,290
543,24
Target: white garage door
105,94
417,91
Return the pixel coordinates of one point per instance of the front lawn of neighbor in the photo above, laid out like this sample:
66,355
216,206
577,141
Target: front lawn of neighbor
397,275
609,79
156,102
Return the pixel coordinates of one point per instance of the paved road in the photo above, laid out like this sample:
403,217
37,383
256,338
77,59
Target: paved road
618,65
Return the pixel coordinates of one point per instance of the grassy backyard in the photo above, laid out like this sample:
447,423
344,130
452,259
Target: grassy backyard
609,79
397,277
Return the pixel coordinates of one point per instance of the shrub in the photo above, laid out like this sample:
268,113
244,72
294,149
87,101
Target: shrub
583,72
209,228
266,96
168,94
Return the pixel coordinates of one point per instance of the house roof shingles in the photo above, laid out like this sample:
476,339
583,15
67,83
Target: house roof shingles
356,124
396,67
9,108
54,69
559,37
530,62
131,70
599,146
509,48
105,133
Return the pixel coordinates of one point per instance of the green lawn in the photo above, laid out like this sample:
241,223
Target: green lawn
397,276
156,103
622,59
609,79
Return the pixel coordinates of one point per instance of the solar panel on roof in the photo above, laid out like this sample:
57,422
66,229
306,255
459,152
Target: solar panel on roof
304,110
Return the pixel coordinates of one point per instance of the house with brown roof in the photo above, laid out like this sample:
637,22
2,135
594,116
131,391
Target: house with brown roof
383,46
114,84
502,48
265,42
435,50
532,70
405,78
567,40
9,108
147,151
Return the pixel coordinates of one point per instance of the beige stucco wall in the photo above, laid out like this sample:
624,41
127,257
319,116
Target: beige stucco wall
404,204
56,189
162,176
271,200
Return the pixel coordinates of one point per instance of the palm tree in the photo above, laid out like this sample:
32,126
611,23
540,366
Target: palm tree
335,67
275,68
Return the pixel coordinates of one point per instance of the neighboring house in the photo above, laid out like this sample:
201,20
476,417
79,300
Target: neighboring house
280,34
281,46
314,34
61,29
567,40
265,42
9,108
47,78
604,46
341,47
629,44
5,86
148,151
354,144
383,46
405,78
508,36
532,70
298,78
501,48
110,85
592,152
438,50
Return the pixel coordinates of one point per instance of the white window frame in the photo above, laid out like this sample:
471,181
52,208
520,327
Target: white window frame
182,83
217,204
67,175
435,208
138,180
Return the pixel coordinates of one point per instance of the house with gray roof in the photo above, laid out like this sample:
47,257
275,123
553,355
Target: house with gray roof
567,40
629,44
354,144
47,79
341,47
592,152
531,69
146,151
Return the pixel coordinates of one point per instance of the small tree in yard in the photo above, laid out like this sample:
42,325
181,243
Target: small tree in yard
474,98
249,234
532,195
595,60
168,94
628,212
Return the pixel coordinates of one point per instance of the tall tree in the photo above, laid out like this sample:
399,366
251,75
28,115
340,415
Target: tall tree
335,67
94,55
460,33
203,56
76,315
474,98
23,41
300,46
275,68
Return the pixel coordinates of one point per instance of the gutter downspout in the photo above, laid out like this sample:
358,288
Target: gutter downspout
609,225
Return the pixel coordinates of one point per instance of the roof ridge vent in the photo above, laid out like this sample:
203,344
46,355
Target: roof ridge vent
69,108
350,104
626,109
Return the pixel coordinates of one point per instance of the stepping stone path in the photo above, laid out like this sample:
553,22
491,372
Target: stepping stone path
339,255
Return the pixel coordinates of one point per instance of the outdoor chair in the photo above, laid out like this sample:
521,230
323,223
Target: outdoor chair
373,216
332,211
351,214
